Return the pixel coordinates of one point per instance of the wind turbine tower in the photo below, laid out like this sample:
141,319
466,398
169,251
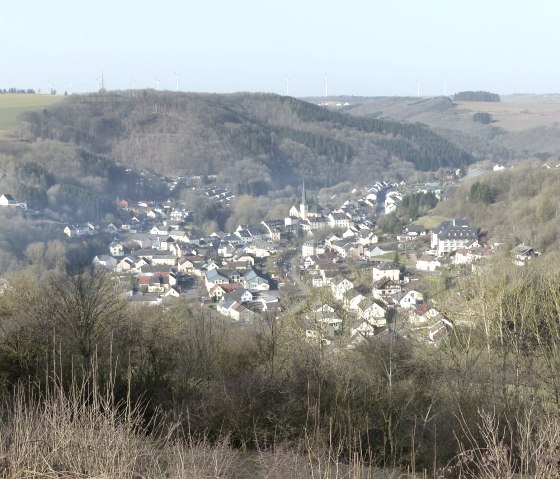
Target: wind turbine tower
444,87
177,75
157,83
50,87
287,86
326,86
418,88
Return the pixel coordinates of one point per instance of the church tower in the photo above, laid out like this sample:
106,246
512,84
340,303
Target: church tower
303,207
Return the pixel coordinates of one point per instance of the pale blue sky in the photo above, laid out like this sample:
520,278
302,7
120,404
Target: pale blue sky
375,47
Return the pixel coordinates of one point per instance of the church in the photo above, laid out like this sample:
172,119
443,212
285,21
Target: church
305,210
310,216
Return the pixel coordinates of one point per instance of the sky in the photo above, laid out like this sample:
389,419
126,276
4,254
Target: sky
362,47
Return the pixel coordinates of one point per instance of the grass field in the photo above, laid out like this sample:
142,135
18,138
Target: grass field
430,221
517,116
12,105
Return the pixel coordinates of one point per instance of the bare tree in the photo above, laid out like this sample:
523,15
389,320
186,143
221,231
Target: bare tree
83,309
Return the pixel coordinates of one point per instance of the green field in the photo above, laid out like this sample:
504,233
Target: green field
12,105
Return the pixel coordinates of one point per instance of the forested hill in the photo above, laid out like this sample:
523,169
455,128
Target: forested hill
241,137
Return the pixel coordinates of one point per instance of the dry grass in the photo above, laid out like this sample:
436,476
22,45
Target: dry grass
83,433
528,447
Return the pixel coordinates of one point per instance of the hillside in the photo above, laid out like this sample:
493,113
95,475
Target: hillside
511,206
521,125
268,140
13,105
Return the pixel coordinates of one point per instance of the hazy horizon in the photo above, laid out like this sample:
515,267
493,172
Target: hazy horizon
365,49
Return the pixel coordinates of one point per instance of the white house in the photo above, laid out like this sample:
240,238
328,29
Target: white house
116,248
452,235
428,263
9,200
340,286
74,231
386,270
105,261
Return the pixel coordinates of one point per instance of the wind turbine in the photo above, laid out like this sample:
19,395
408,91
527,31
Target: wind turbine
287,86
132,82
50,87
177,75
157,83
418,88
100,83
444,87
326,86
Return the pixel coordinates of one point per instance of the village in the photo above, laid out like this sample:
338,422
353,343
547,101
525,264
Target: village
331,268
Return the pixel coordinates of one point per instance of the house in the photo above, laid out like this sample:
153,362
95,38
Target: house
234,310
260,248
240,313
462,256
275,229
139,240
224,307
161,230
375,251
366,237
364,328
387,270
339,220
254,282
392,201
427,262
408,299
116,248
226,250
77,231
351,299
423,314
158,284
172,292
9,200
385,287
312,247
372,311
269,304
522,253
166,258
125,264
241,295
438,330
339,286
213,277
219,291
324,323
105,261
452,235
413,231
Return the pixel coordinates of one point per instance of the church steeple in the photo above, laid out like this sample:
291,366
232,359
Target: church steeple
303,208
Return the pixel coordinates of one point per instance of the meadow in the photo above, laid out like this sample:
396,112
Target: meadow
12,105
514,116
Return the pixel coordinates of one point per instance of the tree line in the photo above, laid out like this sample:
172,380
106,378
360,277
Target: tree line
476,96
